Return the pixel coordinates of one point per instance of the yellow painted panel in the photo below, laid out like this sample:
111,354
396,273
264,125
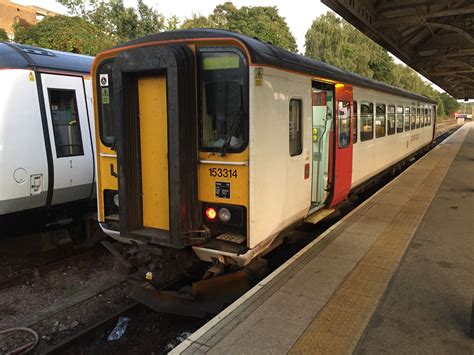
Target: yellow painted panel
106,180
154,151
236,176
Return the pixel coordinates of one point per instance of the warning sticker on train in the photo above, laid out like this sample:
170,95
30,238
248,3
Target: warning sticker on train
104,79
222,189
105,96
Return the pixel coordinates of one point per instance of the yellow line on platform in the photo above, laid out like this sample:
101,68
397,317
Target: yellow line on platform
341,323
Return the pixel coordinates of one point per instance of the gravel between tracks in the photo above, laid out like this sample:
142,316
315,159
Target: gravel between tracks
62,301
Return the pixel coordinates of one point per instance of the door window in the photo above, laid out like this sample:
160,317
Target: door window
354,124
344,123
65,120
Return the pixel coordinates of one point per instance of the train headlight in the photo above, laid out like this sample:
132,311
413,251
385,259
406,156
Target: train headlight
116,200
224,215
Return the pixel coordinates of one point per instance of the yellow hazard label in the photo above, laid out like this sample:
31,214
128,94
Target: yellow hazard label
31,76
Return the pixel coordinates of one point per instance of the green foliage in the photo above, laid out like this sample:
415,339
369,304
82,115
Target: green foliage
3,35
119,22
69,34
262,22
450,104
336,42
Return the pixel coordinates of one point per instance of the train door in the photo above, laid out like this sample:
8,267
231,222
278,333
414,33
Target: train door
323,107
70,136
156,126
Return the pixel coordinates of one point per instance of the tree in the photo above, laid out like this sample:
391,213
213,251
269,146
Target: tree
450,105
69,34
263,22
121,23
3,35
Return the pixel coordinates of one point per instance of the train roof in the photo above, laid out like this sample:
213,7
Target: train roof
267,54
20,56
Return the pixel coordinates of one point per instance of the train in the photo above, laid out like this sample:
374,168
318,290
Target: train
212,147
47,149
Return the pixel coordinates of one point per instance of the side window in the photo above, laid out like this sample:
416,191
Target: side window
344,123
391,120
295,127
429,117
407,119
366,121
399,119
418,117
380,120
65,119
425,122
354,124
413,118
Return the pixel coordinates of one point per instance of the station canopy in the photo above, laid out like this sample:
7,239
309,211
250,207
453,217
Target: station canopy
434,37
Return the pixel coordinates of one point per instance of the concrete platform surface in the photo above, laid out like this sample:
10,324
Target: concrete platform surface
394,275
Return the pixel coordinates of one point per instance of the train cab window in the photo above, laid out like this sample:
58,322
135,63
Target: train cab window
366,121
354,124
380,118
399,119
105,92
223,97
391,120
407,119
344,123
65,119
413,118
295,127
418,117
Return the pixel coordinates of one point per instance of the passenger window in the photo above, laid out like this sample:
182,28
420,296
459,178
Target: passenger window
366,121
65,119
399,119
425,123
429,117
413,118
407,119
391,120
344,123
295,127
354,124
380,121
418,117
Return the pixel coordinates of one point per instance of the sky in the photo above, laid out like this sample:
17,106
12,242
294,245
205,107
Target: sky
298,21
299,14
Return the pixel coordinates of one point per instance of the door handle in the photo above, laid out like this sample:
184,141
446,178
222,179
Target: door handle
112,172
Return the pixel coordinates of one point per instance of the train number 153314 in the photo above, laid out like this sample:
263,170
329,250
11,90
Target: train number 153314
223,172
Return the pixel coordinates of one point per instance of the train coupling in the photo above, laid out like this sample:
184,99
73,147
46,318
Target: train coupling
202,298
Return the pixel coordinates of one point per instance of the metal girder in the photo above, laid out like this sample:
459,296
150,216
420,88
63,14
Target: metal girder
416,20
403,4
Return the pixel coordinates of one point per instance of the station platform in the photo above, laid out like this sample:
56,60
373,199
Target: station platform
393,276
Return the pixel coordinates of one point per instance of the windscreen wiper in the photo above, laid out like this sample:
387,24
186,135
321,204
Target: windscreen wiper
234,124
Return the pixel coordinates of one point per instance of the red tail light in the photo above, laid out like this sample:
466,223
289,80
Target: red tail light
211,213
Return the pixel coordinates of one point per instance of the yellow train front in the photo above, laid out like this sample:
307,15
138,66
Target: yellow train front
173,151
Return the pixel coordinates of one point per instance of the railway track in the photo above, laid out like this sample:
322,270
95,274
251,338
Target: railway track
35,270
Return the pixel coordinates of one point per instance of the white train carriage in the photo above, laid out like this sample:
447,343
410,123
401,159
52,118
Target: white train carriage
46,125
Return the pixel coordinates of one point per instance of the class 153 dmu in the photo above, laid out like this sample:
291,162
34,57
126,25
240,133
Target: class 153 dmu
212,146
